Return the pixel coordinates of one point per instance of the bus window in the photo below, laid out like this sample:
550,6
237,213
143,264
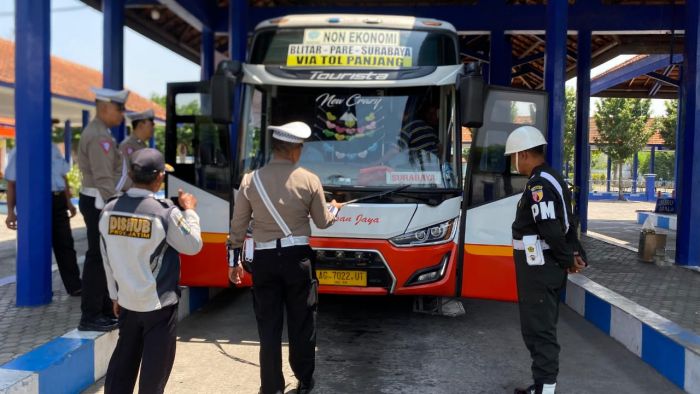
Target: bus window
251,152
505,110
212,153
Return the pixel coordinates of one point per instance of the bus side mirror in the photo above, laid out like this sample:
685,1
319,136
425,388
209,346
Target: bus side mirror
471,96
223,87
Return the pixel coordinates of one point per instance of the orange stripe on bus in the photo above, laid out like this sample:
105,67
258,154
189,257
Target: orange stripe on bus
214,238
489,250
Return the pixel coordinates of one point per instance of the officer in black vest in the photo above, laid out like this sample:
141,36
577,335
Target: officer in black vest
545,248
141,238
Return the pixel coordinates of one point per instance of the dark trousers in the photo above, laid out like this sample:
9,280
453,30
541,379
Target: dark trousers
284,278
62,243
539,292
147,339
95,301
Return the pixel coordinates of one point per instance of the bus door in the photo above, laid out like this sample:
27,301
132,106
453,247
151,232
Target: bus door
200,152
493,193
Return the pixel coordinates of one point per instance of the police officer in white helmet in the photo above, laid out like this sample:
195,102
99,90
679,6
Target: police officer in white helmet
545,249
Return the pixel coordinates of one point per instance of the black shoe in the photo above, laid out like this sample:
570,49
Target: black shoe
101,323
304,388
530,390
76,293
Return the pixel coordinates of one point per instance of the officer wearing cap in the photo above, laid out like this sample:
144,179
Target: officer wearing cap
141,240
545,248
104,174
142,127
62,211
281,196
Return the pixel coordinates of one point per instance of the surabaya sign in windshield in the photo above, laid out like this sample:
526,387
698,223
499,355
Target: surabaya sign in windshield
351,48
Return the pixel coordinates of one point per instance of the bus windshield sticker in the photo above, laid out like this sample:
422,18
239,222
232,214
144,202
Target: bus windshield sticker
414,178
350,49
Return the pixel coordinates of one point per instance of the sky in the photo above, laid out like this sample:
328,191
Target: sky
76,35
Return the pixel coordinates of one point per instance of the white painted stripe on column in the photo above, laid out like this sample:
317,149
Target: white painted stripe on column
12,381
692,372
626,329
103,347
576,298
183,310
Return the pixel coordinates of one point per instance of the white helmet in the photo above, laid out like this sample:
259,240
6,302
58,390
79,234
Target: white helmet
524,138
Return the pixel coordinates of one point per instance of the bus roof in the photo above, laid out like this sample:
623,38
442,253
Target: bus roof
356,20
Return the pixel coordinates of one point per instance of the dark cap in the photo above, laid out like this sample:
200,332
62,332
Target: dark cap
148,161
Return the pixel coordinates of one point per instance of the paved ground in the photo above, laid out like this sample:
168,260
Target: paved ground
23,329
377,345
618,219
672,291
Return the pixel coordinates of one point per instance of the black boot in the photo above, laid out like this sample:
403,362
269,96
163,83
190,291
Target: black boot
305,388
534,389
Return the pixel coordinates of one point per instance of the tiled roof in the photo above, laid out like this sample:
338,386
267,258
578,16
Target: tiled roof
71,80
655,139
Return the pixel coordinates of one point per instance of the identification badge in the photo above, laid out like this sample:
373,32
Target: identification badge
333,210
533,250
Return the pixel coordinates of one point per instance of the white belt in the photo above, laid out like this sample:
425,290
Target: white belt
284,242
90,191
519,245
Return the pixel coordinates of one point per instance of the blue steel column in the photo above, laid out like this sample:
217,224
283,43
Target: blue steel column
582,163
608,175
555,78
86,119
687,245
113,47
652,160
635,170
67,140
237,42
206,53
33,118
500,59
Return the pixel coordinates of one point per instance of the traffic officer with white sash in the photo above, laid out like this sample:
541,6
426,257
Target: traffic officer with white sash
545,248
280,197
104,175
142,238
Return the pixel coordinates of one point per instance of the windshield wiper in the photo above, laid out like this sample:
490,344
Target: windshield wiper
377,195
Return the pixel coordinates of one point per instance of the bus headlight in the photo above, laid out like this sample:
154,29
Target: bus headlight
437,234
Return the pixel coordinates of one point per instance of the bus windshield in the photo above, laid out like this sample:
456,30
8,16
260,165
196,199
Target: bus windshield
360,137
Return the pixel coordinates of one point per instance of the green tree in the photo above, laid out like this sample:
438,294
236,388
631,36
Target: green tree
623,130
667,123
570,126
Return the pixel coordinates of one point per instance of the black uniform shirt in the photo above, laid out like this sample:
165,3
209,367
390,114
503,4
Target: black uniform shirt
542,212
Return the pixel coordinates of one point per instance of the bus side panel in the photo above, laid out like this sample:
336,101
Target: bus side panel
489,273
208,268
488,270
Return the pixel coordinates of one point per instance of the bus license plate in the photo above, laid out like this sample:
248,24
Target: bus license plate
342,278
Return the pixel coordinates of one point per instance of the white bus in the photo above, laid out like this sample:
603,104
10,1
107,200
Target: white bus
386,98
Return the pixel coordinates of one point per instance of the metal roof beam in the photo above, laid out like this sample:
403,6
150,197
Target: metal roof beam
528,59
664,79
582,15
648,64
197,13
